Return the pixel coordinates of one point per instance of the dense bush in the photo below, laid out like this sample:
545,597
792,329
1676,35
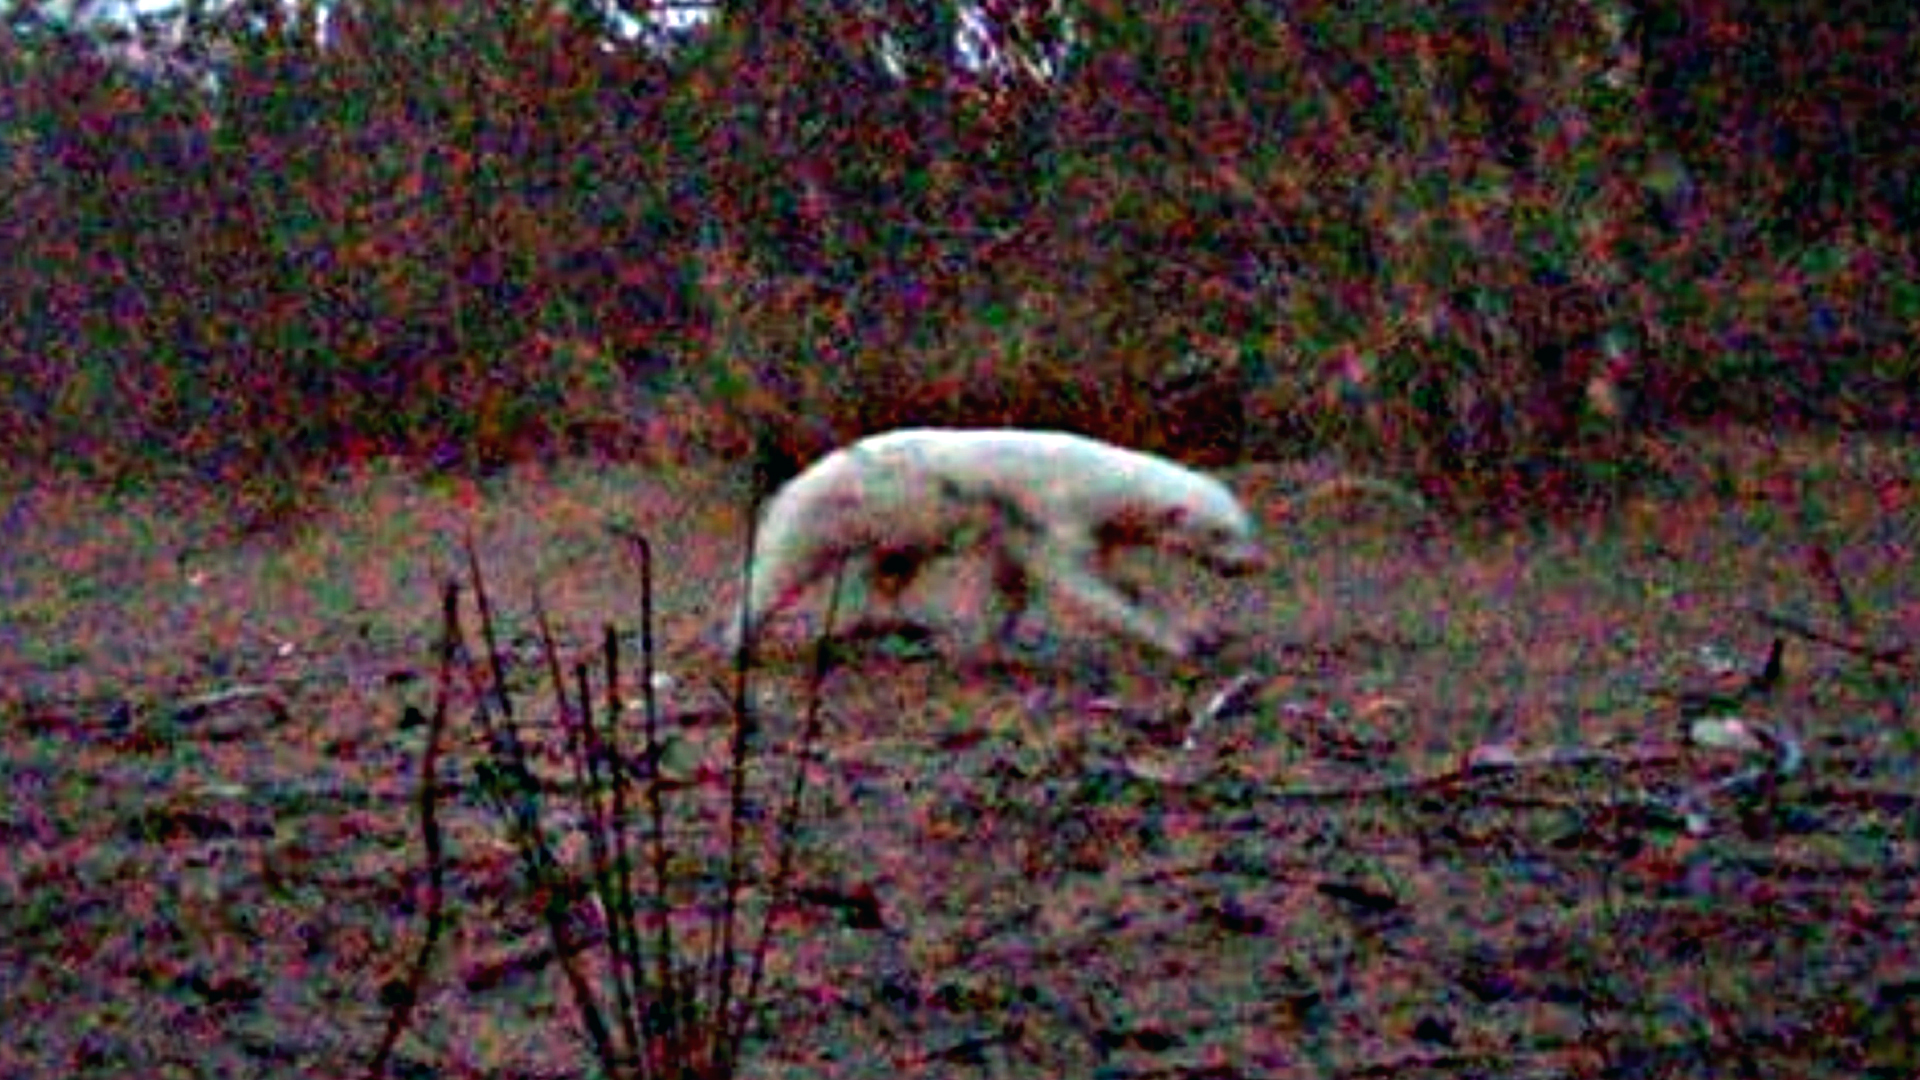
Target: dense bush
1489,245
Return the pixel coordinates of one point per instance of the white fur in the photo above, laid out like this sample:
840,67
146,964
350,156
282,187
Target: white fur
1050,507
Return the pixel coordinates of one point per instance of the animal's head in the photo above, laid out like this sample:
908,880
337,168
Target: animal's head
1213,529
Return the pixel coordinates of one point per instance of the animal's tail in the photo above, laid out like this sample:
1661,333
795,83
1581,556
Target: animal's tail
1351,486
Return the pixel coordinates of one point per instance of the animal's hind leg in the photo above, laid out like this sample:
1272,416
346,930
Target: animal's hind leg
777,585
890,573
893,571
1014,586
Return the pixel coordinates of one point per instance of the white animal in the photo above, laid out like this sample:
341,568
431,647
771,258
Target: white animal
1051,508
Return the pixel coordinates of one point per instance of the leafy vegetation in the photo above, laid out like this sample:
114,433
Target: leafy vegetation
1490,247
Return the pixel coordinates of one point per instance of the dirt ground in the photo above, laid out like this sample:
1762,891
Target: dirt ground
213,867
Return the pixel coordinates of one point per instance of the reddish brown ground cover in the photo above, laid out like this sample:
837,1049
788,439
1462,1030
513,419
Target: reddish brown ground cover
1007,870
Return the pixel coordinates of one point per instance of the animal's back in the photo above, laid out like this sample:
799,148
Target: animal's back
1029,467
906,486
880,490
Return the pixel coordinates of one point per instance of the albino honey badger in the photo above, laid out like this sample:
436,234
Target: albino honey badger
1051,508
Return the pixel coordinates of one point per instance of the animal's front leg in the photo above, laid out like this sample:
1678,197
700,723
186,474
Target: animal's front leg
1069,568
779,580
1104,568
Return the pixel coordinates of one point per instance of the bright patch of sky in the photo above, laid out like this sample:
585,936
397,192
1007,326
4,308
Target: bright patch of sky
148,34
96,14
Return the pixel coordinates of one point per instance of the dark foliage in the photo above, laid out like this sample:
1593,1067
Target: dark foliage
1488,243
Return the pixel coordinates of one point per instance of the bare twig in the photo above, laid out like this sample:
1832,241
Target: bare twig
496,664
1757,684
1786,758
789,819
200,706
677,992
720,959
1231,699
1894,656
510,785
616,890
1893,690
451,649
577,721
1829,575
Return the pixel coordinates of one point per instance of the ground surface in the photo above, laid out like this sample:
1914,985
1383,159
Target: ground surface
1006,870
